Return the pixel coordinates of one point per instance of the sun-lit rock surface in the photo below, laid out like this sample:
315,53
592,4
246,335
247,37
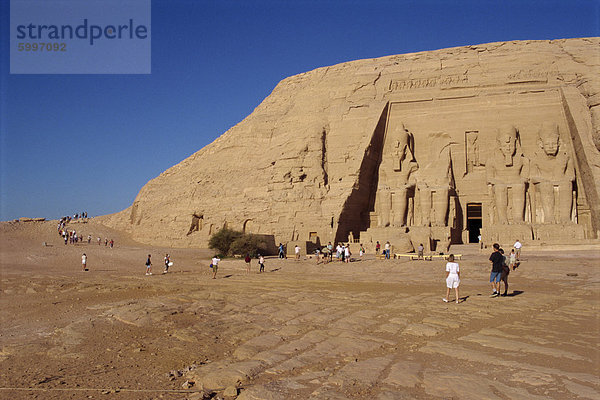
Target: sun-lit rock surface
441,142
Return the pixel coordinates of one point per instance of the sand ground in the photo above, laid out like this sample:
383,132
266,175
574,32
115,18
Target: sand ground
366,330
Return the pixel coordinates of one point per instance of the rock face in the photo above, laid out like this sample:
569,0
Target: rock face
500,139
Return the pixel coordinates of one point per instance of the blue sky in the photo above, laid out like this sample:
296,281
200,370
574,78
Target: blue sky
72,143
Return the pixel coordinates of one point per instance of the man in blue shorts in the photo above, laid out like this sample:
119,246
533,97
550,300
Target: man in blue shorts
497,261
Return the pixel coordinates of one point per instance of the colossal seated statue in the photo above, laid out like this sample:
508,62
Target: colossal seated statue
551,168
396,176
507,168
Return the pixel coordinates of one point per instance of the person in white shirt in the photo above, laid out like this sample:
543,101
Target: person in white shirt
517,247
215,266
452,278
297,251
387,250
84,262
347,253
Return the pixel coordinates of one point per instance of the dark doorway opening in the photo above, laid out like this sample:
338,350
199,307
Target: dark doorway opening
474,221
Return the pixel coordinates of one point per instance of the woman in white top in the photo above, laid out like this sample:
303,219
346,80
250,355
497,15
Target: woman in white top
452,278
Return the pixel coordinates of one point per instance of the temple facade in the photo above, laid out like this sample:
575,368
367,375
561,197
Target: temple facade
500,140
499,162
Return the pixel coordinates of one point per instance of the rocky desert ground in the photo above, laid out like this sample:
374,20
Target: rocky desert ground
370,329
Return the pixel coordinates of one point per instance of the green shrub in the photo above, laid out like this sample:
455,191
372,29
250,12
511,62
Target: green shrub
222,240
249,244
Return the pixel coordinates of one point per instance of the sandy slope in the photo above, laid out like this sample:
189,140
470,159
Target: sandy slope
366,330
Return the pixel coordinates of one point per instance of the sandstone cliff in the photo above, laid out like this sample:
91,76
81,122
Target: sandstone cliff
302,164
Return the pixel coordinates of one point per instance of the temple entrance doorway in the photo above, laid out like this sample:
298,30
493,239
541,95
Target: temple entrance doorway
474,221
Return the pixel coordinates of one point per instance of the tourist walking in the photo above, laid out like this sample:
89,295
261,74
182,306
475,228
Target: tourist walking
497,261
361,252
247,260
377,248
281,251
167,262
387,250
297,252
149,265
330,251
420,251
84,262
452,278
261,263
512,261
518,247
505,272
347,253
215,266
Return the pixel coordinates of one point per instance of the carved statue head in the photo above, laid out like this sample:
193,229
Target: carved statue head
506,140
548,138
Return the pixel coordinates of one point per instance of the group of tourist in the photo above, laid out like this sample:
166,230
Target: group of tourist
167,261
214,264
82,215
107,243
501,264
261,263
386,249
77,216
342,253
501,267
72,237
